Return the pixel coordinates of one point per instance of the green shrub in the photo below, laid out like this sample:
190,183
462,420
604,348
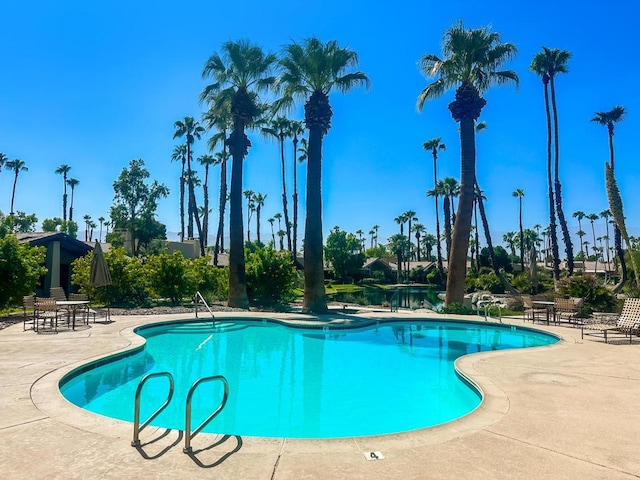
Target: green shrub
270,276
490,282
170,276
20,270
596,296
456,308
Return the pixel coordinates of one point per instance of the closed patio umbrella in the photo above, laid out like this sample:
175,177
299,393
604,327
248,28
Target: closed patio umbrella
99,275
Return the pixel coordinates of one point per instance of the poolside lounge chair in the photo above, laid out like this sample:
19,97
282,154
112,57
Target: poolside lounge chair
628,323
29,309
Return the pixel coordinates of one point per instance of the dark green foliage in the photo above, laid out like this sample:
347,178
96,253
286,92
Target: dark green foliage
270,276
170,276
456,308
490,282
20,270
418,274
342,250
502,258
597,297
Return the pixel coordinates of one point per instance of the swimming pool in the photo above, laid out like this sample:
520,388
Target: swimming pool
299,383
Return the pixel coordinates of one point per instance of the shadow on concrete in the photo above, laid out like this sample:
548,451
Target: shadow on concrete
199,456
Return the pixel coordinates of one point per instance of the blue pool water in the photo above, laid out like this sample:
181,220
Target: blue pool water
298,383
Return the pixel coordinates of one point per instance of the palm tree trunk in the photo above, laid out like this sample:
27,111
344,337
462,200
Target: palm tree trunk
521,238
285,209
182,200
566,236
617,236
193,208
477,235
13,193
457,260
205,216
237,277
315,299
295,199
221,206
447,224
258,222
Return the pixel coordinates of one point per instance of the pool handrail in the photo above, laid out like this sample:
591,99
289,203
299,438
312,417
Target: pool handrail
137,428
188,435
199,295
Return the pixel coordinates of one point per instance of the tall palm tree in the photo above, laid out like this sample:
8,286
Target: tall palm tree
360,233
310,71
609,119
541,64
239,73
375,229
581,233
400,220
509,238
64,170
273,235
17,166
471,62
191,130
259,199
250,196
206,161
278,216
448,188
592,217
296,128
101,220
180,154
372,233
419,231
428,240
433,146
606,214
73,183
279,128
579,214
87,220
219,117
410,215
519,193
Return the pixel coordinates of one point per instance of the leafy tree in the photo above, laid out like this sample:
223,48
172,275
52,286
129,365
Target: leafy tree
20,270
169,276
239,73
472,58
57,224
310,71
502,259
134,200
376,252
23,222
343,252
270,276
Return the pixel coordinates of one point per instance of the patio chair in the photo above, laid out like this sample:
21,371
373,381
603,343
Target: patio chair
531,312
29,309
46,310
86,310
627,324
566,309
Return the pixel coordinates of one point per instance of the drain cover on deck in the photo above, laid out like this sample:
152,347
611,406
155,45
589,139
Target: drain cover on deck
373,455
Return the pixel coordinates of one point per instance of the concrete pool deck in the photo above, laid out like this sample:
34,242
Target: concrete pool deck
565,411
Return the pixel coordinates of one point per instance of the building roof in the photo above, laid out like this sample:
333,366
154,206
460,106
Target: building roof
66,241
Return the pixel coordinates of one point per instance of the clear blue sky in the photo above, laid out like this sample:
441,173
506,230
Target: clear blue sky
96,84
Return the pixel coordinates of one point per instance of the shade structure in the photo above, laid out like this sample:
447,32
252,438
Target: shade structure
99,275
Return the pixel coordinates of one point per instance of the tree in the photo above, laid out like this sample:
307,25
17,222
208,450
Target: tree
410,215
190,129
418,230
448,188
609,119
273,235
509,238
278,216
592,217
17,166
471,63
429,241
310,71
73,183
579,214
251,207
434,145
296,128
206,161
259,200
519,193
101,219
64,170
398,246
343,253
606,214
20,269
279,128
180,154
134,199
239,73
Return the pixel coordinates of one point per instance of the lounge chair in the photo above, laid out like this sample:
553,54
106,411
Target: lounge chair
627,324
29,309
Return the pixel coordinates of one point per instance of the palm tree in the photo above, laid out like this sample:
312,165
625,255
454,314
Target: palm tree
296,128
73,183
606,214
190,129
428,241
87,220
433,146
592,217
206,161
101,220
180,153
581,233
410,215
471,63
360,233
281,234
258,199
509,238
3,160
239,73
418,230
273,235
372,232
540,66
579,214
609,119
400,220
250,196
398,245
279,129
278,216
17,166
448,188
375,229
219,117
64,170
519,193
310,71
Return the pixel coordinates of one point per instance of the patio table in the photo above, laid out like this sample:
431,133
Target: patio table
549,306
73,305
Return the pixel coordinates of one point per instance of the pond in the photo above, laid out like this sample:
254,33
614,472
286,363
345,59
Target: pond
410,297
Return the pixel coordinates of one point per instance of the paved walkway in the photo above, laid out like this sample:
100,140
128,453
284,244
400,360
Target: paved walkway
567,411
